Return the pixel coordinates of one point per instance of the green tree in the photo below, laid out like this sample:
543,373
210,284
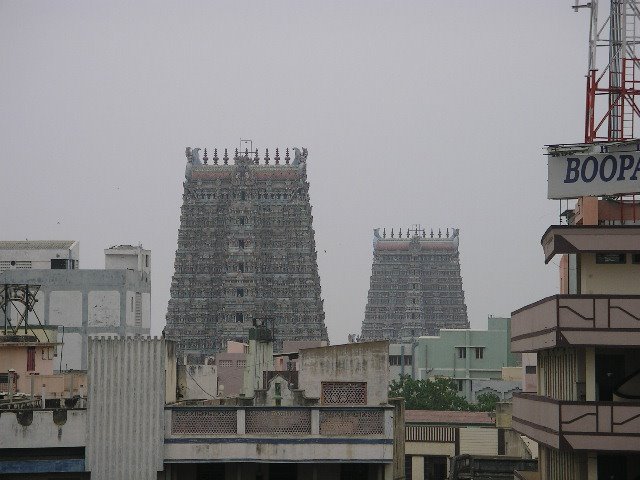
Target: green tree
435,394
486,402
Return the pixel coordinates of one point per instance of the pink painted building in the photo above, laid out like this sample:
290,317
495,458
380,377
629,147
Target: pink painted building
585,411
23,356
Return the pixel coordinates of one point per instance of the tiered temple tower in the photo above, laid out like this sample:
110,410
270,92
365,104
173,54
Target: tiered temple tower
416,287
246,250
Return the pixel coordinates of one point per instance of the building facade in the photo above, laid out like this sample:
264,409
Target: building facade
585,413
416,285
475,359
335,422
246,250
113,301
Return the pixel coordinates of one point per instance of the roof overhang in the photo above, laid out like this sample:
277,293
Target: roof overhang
560,239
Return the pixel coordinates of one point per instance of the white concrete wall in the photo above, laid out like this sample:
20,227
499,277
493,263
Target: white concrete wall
65,308
104,308
146,310
352,362
197,381
70,352
43,432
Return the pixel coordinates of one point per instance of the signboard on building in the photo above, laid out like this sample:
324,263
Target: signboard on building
573,176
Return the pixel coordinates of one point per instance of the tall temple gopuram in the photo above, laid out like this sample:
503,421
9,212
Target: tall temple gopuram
416,286
246,250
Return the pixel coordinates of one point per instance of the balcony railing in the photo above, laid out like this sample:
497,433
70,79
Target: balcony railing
581,320
279,421
600,426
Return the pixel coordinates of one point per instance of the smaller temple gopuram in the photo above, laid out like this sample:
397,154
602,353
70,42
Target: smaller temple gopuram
416,286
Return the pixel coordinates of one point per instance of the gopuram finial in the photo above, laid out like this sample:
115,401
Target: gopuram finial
400,233
235,156
424,234
266,156
205,159
432,233
277,157
246,152
392,233
439,233
256,158
286,157
447,233
226,157
384,233
215,156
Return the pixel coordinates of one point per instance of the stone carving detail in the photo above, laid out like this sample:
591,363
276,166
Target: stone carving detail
246,249
351,422
204,422
344,393
288,421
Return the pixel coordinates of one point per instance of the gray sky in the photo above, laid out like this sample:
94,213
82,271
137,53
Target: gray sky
431,112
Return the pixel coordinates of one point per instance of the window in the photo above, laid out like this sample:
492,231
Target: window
241,267
146,261
395,359
278,389
239,317
241,220
241,244
479,352
31,359
460,385
408,359
530,369
240,292
225,363
59,263
611,258
462,352
132,304
635,258
241,363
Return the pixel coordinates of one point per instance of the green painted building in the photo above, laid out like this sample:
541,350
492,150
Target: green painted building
474,358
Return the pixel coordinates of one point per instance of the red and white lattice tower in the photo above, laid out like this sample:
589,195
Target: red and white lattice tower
613,77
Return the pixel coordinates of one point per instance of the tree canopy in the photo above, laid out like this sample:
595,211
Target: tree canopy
438,394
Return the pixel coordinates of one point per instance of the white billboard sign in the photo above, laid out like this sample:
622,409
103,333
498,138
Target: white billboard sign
573,176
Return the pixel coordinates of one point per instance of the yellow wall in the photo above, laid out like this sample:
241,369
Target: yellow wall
608,279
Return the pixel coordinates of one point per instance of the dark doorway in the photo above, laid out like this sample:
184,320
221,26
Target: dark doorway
612,467
435,468
210,471
609,374
283,471
353,471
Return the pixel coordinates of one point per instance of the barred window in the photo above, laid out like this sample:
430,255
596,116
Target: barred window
341,393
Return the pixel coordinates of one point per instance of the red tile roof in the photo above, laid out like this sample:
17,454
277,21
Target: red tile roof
447,417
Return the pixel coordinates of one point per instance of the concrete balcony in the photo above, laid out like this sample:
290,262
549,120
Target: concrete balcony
578,320
278,434
560,239
595,426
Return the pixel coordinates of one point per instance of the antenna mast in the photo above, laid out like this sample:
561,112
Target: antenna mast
613,81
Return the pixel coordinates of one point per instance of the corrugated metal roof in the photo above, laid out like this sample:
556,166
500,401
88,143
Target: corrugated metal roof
36,244
447,417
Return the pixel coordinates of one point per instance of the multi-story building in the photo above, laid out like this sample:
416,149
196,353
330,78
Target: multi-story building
475,359
81,302
246,250
586,411
335,422
416,286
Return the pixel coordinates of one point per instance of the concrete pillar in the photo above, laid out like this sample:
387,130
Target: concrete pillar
240,425
592,467
315,422
590,374
388,423
417,467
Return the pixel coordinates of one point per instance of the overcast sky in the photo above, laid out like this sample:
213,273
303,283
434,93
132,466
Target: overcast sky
430,112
